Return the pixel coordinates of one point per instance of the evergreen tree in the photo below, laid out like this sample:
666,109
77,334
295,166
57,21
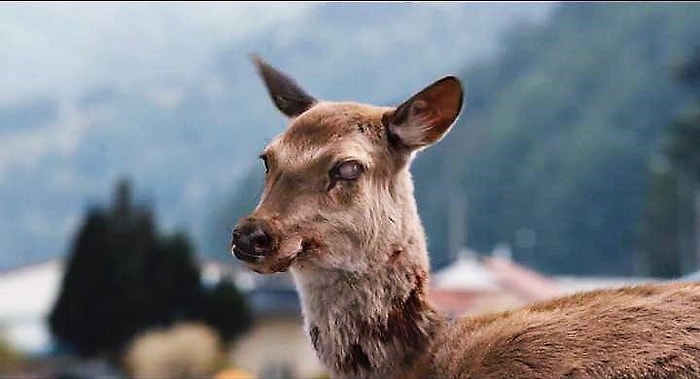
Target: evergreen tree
221,308
667,242
122,278
684,142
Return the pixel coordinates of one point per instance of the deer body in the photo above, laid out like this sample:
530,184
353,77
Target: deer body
338,211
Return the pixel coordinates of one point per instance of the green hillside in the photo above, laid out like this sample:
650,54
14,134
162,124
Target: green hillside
553,150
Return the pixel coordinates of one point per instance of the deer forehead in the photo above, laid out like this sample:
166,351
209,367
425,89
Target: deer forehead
330,130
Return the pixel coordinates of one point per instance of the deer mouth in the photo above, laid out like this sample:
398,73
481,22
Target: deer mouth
248,258
264,264
278,260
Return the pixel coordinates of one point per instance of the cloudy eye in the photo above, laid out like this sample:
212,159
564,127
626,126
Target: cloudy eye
264,159
349,170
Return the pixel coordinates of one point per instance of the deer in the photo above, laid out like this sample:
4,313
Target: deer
338,211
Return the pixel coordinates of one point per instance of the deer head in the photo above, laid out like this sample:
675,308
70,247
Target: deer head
338,193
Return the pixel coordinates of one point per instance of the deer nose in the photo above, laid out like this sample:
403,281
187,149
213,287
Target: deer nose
250,241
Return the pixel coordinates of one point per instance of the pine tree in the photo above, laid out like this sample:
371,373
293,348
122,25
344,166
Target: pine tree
667,239
122,277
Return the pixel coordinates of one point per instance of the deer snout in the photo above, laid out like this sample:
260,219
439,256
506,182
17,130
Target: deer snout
251,241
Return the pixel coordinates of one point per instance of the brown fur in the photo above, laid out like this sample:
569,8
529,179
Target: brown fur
650,331
357,252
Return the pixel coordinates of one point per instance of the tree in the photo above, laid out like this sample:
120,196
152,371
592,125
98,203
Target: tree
658,239
122,277
667,242
684,142
221,308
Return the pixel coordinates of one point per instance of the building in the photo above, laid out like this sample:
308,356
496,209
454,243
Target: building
473,285
27,294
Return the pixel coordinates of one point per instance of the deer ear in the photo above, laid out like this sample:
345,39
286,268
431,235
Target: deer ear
289,98
426,117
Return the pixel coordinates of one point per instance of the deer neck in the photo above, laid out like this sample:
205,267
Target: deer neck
368,324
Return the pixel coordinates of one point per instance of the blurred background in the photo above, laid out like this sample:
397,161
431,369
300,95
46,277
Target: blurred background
129,136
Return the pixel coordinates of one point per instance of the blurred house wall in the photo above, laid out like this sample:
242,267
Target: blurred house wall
277,344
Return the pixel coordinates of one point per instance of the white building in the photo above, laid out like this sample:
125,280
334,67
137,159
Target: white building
27,294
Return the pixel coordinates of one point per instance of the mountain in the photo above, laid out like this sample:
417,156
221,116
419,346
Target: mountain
165,94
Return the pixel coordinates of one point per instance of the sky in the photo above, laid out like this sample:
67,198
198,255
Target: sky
52,47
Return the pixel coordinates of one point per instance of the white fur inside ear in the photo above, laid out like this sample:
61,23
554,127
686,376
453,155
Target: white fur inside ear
415,131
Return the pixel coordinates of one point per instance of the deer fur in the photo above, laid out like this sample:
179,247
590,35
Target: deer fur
357,251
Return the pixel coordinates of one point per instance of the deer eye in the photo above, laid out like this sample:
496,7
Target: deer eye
348,170
264,159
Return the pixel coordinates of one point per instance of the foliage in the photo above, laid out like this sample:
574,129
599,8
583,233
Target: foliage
221,308
123,277
668,238
658,240
684,143
557,135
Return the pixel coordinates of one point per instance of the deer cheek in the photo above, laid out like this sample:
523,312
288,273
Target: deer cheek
347,192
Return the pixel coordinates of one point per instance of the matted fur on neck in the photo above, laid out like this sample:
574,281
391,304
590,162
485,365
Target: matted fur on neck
373,324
